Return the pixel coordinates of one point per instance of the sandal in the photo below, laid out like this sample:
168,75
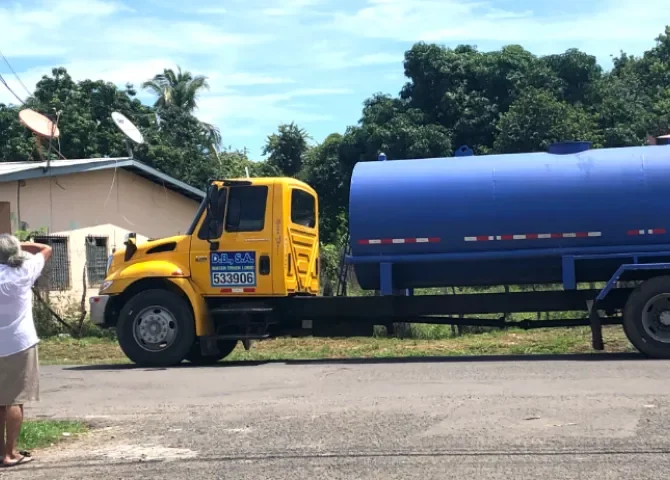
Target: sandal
23,460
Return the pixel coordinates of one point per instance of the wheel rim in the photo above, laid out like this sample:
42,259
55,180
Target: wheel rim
656,317
155,329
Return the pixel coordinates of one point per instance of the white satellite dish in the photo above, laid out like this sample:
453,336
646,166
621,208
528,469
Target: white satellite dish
127,127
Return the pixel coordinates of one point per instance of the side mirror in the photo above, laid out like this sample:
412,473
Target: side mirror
213,201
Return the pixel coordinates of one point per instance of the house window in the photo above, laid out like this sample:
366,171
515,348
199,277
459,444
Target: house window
56,273
303,208
96,260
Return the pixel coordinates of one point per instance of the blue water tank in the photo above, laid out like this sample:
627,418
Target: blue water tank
506,219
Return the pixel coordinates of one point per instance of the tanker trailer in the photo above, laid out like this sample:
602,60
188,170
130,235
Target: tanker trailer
572,216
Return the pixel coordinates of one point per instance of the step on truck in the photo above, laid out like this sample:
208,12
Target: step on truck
588,226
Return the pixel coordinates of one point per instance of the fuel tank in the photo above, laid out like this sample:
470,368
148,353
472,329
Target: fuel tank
506,219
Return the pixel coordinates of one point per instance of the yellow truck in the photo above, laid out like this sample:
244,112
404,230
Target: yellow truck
180,297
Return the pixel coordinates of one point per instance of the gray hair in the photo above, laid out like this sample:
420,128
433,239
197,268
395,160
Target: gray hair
10,251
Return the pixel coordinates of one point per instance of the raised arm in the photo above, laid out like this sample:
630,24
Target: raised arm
37,248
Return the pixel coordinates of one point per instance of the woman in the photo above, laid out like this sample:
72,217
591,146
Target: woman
19,367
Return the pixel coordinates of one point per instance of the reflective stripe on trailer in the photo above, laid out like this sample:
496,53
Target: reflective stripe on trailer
650,231
237,290
389,241
532,236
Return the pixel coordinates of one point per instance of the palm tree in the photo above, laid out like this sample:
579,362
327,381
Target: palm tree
181,89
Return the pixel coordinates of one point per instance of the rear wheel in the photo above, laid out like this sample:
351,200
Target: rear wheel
646,317
196,357
156,328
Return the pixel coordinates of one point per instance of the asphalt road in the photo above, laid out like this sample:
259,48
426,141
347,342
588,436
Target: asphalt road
553,418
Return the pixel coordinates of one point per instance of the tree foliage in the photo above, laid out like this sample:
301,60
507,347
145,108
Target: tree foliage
286,149
503,101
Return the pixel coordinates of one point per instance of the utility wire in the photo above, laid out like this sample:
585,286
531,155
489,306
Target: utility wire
16,74
4,82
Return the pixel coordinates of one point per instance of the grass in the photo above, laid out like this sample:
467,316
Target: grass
43,433
507,342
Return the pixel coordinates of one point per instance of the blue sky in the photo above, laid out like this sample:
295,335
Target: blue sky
309,61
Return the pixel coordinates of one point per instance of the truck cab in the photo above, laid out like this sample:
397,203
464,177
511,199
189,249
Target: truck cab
194,296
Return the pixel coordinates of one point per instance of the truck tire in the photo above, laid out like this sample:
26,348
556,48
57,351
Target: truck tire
646,317
195,356
156,328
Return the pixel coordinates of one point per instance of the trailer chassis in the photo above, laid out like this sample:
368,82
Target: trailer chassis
636,266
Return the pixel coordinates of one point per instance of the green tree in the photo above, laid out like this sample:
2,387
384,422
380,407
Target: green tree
323,171
181,89
287,148
391,126
537,119
82,111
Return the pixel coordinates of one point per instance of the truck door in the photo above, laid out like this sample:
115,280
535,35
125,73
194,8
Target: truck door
240,265
302,274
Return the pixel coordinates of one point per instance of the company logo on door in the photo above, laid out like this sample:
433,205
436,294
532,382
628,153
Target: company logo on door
233,269
244,258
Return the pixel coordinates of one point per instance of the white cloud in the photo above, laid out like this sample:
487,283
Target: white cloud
222,80
97,8
328,54
211,11
267,110
289,7
611,23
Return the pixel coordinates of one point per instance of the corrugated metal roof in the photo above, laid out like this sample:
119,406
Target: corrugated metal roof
13,171
15,167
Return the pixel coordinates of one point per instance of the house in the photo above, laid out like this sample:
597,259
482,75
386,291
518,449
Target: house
84,208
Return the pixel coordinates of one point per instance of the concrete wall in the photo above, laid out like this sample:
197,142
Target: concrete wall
105,203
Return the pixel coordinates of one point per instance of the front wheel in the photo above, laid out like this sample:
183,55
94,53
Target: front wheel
156,328
646,317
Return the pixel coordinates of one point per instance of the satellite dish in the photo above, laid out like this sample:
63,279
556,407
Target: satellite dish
38,123
43,128
127,127
129,130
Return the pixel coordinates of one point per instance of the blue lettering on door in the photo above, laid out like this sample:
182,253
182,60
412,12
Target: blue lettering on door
232,269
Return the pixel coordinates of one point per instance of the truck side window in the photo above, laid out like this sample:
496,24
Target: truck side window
251,202
303,208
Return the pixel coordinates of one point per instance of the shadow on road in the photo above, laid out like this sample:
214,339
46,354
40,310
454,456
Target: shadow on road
593,357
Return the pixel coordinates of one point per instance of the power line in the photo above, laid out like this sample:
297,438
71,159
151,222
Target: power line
16,74
2,80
